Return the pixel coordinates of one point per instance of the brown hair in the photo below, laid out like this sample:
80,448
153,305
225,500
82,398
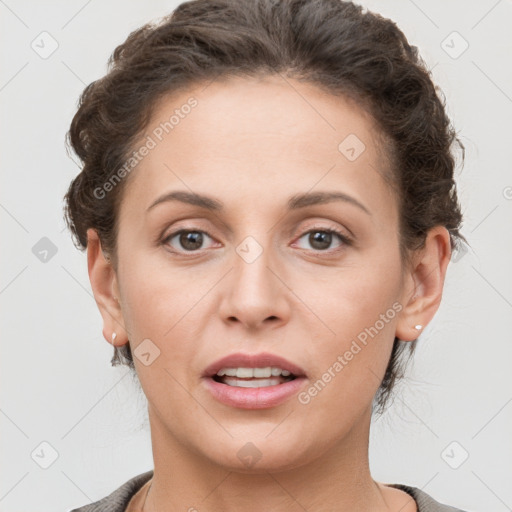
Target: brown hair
333,44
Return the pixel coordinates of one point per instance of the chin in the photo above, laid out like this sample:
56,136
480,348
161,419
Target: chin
259,457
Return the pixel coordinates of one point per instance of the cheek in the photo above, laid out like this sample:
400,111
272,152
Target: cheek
164,304
160,308
348,300
353,340
156,295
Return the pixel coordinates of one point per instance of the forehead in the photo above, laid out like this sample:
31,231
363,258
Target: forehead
260,135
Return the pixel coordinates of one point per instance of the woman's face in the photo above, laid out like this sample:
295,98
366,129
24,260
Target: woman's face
261,273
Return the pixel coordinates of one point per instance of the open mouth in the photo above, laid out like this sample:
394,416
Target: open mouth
253,382
254,387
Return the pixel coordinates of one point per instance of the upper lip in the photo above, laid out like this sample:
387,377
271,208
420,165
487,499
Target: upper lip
261,360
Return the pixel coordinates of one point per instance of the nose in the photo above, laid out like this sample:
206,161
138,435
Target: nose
254,294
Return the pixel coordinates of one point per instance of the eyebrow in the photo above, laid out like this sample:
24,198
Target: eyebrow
294,203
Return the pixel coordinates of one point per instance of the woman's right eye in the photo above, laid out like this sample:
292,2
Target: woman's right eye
190,240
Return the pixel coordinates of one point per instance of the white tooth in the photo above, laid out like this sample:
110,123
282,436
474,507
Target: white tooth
263,372
244,373
251,383
247,373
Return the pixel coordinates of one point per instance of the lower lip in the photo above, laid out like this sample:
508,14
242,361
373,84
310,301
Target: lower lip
254,398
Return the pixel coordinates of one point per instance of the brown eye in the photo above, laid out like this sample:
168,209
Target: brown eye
322,239
187,240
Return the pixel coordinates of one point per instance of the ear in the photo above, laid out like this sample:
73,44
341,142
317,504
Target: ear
423,284
105,288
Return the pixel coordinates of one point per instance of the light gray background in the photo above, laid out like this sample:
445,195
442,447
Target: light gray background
57,383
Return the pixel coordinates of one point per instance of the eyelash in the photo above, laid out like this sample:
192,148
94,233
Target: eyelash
346,241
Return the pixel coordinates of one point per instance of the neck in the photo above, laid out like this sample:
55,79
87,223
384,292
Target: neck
338,479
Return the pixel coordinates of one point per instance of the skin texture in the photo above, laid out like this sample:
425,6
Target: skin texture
253,143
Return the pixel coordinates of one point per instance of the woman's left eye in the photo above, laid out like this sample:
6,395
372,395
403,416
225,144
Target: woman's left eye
321,239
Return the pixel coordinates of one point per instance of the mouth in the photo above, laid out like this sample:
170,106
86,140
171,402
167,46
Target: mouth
275,377
253,381
253,370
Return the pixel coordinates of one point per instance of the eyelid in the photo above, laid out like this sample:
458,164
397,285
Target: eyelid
325,226
178,225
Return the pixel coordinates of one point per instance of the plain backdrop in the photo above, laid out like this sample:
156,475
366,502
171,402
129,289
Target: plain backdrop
73,428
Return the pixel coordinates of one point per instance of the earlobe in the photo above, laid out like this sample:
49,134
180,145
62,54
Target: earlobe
423,287
103,282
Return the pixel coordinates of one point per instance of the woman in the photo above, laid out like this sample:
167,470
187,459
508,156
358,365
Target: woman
268,205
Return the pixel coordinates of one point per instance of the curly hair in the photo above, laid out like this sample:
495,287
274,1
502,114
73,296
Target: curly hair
333,44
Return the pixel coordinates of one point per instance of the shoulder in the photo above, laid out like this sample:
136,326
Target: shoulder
118,500
424,502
